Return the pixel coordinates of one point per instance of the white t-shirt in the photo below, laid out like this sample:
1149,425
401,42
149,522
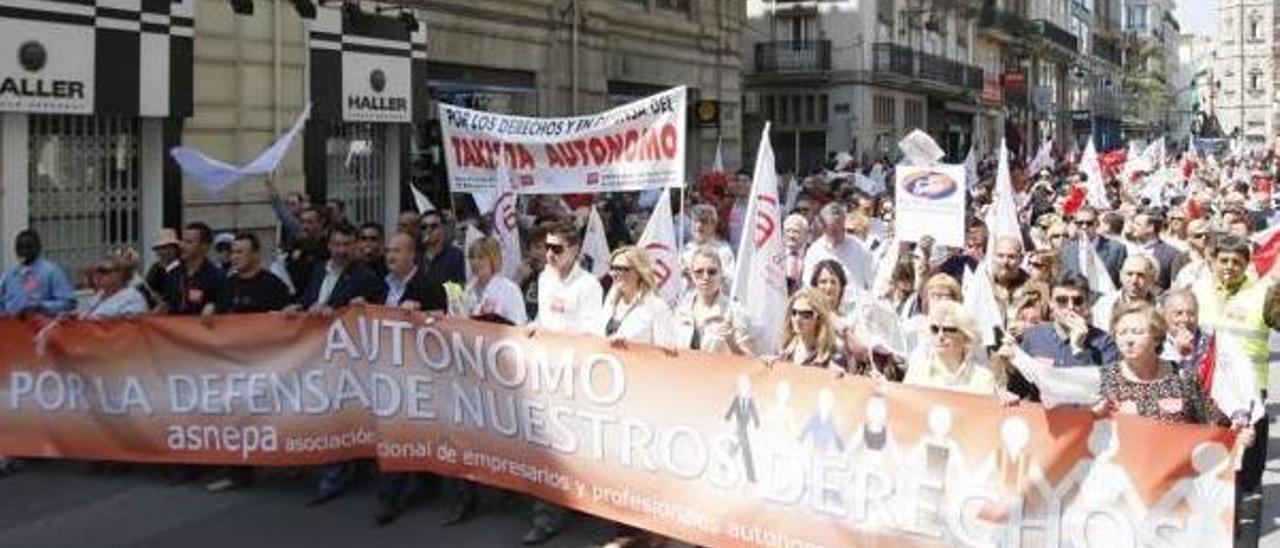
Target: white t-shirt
570,305
126,302
501,296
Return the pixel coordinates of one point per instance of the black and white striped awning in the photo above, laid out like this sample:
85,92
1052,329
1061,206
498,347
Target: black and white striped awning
107,57
368,68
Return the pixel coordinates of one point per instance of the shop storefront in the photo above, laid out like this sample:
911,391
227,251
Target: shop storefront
358,137
92,94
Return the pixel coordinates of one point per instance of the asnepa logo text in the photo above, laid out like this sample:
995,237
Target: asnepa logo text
32,56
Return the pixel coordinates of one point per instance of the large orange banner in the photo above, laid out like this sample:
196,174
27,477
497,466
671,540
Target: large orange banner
715,450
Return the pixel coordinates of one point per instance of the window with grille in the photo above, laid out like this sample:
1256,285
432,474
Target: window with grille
913,114
354,170
882,110
85,196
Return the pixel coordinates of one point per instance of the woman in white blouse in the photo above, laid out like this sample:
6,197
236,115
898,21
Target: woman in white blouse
488,292
114,298
705,318
632,311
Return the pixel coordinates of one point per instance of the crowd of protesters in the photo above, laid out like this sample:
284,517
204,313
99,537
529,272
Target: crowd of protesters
1181,261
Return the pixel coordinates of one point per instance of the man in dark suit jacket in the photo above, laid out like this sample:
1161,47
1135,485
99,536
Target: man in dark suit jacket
342,280
441,261
1147,226
339,282
1111,252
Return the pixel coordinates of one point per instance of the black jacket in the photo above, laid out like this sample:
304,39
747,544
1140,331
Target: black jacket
429,296
356,281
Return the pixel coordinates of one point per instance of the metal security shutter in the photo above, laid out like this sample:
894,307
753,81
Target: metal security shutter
84,194
354,164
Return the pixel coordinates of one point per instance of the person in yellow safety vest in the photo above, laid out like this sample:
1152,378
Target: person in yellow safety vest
1246,310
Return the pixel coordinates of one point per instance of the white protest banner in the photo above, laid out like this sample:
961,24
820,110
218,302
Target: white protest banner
637,146
930,203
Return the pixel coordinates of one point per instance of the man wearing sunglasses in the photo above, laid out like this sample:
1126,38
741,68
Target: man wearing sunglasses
1074,254
1068,339
570,300
441,260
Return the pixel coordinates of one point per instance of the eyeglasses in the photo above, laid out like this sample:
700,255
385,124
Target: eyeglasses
1199,235
1073,300
705,271
1089,222
804,314
948,330
619,268
555,249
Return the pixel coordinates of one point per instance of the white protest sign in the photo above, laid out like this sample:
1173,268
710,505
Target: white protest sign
930,202
637,146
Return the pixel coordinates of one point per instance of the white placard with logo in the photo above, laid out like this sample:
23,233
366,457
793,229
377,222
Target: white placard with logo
929,201
46,67
376,88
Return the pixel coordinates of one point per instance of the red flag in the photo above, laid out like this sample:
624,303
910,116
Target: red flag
1195,209
1208,361
1268,249
1114,160
1075,199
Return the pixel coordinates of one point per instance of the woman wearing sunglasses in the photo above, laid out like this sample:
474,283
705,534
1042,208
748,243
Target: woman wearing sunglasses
948,360
808,335
113,297
633,312
705,318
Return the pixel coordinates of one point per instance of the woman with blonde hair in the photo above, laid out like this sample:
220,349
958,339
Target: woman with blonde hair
633,311
808,336
949,358
489,293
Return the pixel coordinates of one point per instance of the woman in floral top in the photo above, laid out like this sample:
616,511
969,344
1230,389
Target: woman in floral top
1142,384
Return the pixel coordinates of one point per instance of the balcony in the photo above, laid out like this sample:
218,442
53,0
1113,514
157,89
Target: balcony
1058,35
793,57
1107,50
1006,24
893,59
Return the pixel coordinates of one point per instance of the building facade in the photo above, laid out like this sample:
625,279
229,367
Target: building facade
858,76
1244,68
91,170
1151,63
1193,82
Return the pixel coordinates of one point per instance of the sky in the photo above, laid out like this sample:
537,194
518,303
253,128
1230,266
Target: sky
1195,16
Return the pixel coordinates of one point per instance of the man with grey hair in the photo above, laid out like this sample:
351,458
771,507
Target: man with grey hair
859,265
795,237
1185,343
1138,275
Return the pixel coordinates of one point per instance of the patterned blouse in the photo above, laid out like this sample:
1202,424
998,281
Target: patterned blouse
1176,397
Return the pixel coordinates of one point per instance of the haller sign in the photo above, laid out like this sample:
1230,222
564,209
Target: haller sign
46,68
376,88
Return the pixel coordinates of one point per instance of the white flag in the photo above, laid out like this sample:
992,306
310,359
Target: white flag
596,245
215,176
1043,159
980,299
760,284
1060,385
971,168
419,199
920,149
1095,271
868,185
506,226
659,241
1002,216
1089,165
1235,382
717,165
